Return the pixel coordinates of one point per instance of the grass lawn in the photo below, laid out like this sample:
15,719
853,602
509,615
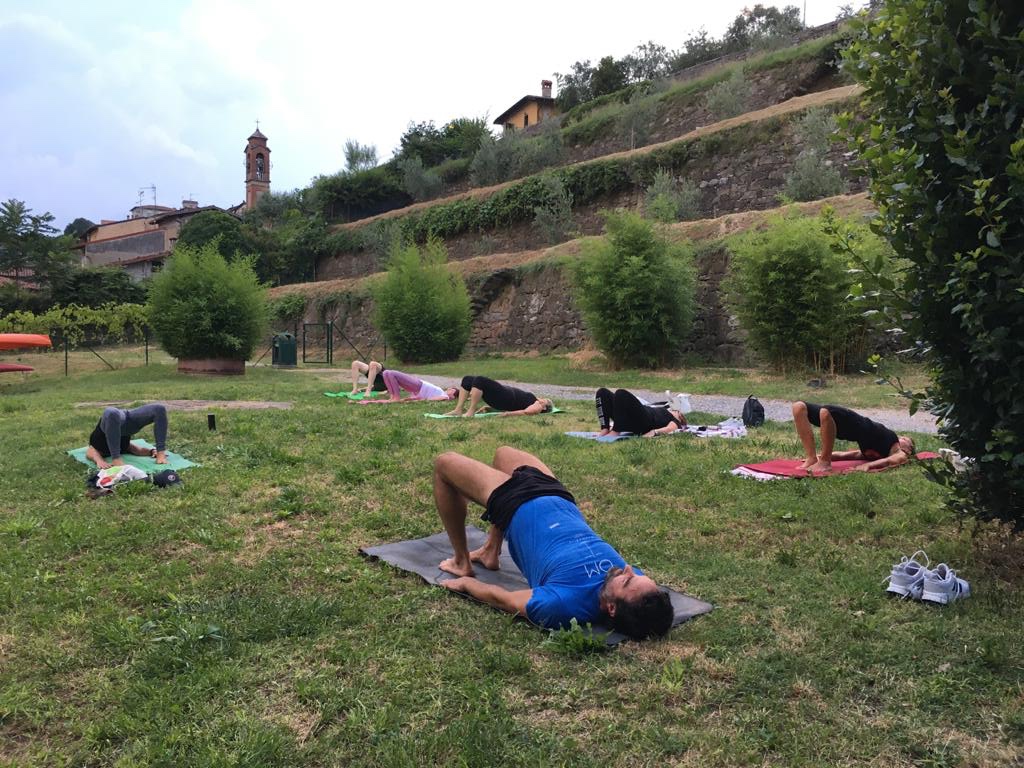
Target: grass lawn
232,622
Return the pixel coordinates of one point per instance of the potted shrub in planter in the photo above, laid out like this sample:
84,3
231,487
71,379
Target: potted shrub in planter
208,313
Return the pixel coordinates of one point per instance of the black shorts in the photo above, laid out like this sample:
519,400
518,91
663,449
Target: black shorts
378,383
98,440
525,484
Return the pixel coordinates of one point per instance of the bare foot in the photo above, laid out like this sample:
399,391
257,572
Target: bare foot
604,432
468,415
822,467
102,464
161,457
117,463
451,565
808,463
488,558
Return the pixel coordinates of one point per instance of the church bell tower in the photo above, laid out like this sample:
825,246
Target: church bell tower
257,168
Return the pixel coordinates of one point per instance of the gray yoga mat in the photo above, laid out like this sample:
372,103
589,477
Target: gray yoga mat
421,556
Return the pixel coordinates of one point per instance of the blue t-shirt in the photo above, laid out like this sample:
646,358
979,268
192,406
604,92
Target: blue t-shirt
563,560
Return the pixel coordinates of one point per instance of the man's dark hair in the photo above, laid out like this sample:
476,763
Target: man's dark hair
649,615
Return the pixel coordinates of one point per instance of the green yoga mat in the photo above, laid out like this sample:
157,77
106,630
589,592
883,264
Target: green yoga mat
483,415
357,395
145,463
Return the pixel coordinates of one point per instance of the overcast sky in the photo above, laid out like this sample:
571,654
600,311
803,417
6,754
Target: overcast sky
99,100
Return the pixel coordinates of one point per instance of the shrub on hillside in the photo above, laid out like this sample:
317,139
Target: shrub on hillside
729,97
812,177
943,145
636,119
553,217
667,200
423,308
789,289
201,306
421,183
636,292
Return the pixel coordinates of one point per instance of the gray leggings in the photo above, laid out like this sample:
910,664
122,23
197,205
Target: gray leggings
115,423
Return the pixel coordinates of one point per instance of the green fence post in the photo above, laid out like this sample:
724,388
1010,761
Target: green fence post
65,356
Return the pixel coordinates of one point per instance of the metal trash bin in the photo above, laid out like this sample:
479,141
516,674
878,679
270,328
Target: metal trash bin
285,350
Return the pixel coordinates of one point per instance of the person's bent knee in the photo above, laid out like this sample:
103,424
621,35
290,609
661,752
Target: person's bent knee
824,415
375,366
444,461
799,408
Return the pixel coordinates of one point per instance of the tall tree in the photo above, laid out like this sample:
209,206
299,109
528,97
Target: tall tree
942,137
29,250
78,228
760,23
359,157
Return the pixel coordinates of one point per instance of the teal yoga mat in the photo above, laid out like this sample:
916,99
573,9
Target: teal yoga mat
483,415
145,463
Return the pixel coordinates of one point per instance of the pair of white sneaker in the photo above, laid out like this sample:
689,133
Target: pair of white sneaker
913,579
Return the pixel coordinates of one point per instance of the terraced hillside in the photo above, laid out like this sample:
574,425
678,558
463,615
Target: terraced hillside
516,274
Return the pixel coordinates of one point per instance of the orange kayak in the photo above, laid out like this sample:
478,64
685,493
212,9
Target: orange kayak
22,340
12,367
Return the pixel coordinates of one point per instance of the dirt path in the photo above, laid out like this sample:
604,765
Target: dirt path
202,405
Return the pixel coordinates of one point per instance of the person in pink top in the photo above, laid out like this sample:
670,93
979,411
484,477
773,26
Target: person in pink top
418,389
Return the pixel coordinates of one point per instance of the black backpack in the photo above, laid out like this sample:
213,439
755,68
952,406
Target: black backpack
753,412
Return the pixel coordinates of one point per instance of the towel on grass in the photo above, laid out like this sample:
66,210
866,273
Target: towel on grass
730,428
146,463
482,415
782,469
421,556
360,395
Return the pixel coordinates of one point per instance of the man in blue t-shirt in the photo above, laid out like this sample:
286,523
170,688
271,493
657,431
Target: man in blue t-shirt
572,572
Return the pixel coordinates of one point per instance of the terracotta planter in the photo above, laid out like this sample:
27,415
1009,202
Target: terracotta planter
213,366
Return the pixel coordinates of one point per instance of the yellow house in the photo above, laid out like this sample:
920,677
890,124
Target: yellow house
529,110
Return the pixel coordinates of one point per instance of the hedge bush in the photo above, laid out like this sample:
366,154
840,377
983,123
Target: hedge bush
636,292
422,308
943,141
789,289
201,306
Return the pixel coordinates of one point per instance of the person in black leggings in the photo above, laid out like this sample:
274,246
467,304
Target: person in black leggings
623,412
875,442
112,436
501,397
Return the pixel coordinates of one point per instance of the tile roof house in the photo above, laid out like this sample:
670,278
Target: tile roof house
529,110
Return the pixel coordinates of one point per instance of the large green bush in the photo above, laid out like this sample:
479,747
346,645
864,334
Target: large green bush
423,308
201,306
789,290
636,292
943,141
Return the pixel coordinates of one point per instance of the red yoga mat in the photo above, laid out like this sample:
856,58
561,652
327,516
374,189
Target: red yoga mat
791,467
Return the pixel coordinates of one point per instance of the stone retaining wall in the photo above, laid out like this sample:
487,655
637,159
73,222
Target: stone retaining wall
532,309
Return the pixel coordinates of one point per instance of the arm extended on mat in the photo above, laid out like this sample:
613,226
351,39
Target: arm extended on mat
889,461
497,597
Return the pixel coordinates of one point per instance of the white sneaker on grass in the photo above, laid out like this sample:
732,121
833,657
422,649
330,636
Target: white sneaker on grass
908,576
943,586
